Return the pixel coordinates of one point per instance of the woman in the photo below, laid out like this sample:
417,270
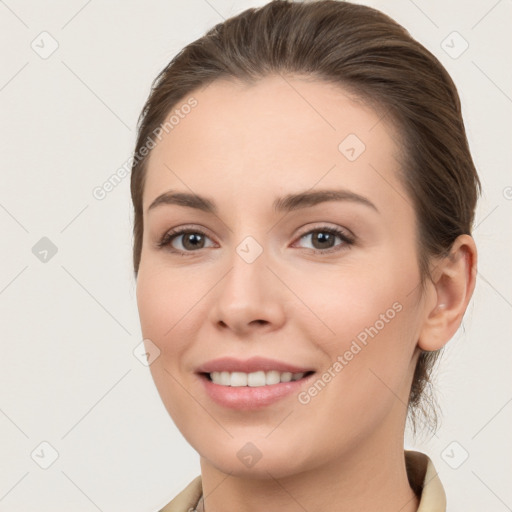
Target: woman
304,196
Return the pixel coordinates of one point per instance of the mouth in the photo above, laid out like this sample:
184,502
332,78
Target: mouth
251,391
251,383
255,379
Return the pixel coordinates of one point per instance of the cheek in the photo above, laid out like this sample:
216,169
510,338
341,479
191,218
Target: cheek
165,313
348,299
166,300
368,366
368,317
173,306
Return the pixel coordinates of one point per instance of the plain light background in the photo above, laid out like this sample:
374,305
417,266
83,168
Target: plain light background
69,377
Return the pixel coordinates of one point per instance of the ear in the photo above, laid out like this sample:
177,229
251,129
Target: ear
454,278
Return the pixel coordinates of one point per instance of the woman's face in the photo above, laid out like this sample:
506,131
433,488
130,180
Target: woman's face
266,276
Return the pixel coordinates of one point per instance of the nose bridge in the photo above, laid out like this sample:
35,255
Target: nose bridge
247,281
249,292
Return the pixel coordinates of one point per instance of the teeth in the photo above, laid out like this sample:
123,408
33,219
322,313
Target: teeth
255,379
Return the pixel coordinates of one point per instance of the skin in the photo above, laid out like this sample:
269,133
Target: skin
243,146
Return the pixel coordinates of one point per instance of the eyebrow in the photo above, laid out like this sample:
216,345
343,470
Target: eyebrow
287,203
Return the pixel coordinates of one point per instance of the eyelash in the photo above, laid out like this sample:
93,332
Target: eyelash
347,240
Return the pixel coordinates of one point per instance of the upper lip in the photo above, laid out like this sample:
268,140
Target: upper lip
254,364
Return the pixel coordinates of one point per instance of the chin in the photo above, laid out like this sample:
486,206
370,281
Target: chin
249,461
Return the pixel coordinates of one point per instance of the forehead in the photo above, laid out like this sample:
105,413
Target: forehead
283,133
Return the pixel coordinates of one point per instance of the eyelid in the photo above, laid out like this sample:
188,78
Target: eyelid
347,238
164,242
325,226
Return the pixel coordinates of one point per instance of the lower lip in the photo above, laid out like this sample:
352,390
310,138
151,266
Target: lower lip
247,397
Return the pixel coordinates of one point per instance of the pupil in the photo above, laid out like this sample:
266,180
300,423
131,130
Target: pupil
324,238
194,239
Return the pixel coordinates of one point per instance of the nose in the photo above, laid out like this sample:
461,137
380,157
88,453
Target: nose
249,298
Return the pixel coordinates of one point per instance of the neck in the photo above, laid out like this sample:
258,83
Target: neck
372,478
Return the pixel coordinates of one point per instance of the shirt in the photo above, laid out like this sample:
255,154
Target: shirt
422,475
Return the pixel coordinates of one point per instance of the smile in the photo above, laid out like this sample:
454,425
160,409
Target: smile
253,379
249,391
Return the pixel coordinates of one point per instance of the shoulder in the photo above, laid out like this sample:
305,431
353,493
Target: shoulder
424,481
187,499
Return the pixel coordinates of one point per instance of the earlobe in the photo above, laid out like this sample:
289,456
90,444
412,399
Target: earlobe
454,280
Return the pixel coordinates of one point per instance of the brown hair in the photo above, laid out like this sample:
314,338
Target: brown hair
369,54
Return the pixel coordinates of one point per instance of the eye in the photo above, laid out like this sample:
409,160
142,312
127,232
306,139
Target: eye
187,240
190,239
323,239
